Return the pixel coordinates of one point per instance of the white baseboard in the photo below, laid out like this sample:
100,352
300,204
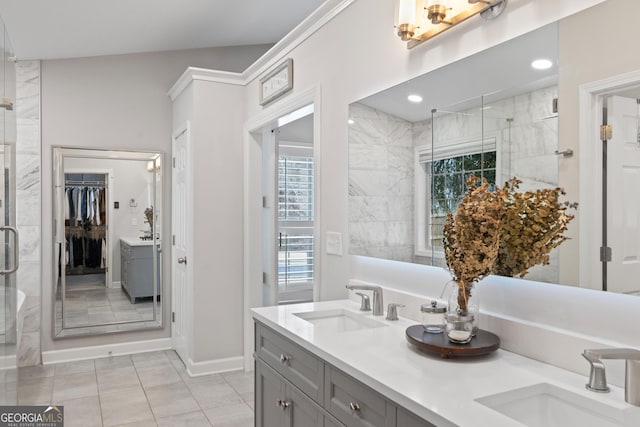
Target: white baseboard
117,284
94,352
196,369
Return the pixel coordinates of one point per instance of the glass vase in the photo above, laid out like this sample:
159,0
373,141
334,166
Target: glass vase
459,327
472,310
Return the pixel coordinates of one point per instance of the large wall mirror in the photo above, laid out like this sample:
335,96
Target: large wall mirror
107,243
500,118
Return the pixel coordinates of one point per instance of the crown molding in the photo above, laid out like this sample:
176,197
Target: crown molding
203,74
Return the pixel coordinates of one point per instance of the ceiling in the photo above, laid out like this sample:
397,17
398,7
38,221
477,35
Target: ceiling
502,71
53,29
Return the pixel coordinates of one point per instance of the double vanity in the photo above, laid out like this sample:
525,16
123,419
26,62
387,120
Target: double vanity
330,364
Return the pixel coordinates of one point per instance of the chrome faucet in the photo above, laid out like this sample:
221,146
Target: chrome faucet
378,305
598,379
364,304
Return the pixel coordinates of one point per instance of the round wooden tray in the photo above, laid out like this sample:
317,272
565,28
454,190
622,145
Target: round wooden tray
438,344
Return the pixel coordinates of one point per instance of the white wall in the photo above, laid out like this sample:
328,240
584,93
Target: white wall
117,102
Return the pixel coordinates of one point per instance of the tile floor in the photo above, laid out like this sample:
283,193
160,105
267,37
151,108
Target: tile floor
88,302
147,389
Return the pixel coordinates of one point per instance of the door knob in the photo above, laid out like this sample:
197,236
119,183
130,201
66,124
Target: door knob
182,260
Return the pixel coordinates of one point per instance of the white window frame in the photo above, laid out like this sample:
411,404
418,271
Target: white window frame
446,149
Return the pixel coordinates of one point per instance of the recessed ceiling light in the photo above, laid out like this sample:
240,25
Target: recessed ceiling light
416,99
350,121
541,64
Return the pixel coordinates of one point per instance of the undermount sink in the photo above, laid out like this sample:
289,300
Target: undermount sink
550,406
339,320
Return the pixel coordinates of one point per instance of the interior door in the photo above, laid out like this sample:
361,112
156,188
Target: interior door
623,209
180,268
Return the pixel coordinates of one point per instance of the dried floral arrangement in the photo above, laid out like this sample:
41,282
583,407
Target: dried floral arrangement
502,231
533,224
472,237
148,214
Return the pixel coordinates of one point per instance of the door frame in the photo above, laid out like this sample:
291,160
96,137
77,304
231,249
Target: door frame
185,129
591,96
253,131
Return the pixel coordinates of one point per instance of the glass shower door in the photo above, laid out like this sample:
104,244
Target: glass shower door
8,233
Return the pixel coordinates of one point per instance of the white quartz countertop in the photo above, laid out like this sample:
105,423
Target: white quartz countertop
136,241
442,391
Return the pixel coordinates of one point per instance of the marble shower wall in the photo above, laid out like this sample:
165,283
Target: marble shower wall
381,166
29,206
380,184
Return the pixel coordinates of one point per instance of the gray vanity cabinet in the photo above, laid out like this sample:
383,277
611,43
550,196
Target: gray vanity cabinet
278,403
295,388
136,270
407,419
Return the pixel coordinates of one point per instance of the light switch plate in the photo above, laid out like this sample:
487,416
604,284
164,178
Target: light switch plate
334,243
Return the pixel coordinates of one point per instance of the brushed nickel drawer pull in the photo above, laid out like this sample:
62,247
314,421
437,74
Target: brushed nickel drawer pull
282,404
284,358
354,406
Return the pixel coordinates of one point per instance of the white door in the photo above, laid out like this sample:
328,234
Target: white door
623,209
181,200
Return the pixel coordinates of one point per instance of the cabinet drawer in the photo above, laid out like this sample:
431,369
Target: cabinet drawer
407,419
355,404
300,367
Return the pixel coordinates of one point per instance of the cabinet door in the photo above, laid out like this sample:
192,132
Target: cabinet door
269,398
302,411
407,419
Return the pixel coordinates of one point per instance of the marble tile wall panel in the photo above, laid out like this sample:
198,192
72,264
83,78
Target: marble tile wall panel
28,90
380,168
28,210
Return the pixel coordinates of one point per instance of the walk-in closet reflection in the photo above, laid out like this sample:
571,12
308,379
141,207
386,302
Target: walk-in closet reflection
107,241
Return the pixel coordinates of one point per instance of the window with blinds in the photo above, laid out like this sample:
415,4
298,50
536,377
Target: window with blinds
295,217
449,183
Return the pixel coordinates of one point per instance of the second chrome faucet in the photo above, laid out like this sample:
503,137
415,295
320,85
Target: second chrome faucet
378,304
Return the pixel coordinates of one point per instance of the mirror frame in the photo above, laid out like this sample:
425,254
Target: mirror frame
58,238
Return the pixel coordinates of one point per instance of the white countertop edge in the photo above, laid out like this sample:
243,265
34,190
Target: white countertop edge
438,408
136,241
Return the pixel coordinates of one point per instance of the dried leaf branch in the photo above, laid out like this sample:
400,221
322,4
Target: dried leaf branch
533,225
472,237
502,231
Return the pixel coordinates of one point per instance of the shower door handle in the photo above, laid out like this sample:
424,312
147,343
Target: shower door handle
16,243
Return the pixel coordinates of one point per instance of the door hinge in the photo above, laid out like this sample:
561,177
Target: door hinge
173,316
264,277
605,254
554,106
606,132
173,240
264,201
173,162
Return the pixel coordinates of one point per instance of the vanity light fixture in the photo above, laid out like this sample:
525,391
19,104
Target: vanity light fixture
415,98
419,20
541,64
153,165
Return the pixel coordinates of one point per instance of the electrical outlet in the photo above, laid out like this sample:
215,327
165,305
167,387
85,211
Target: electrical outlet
134,221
